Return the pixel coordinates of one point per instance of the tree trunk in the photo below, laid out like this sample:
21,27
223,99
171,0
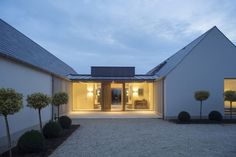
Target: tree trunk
201,110
52,112
40,121
58,111
230,109
8,136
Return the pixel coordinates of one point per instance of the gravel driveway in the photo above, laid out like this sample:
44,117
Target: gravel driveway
148,138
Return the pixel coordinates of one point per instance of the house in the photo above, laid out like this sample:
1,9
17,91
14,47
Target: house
207,63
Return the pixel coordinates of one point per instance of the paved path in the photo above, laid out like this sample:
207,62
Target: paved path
148,138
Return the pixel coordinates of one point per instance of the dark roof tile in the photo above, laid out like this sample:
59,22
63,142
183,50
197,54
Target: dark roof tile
14,44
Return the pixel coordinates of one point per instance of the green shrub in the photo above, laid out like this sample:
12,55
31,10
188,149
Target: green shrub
31,142
184,116
52,130
65,122
215,116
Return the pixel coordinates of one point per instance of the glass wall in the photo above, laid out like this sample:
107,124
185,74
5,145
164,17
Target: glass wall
139,96
230,84
86,96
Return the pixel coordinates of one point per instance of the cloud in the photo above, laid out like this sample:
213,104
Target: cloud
139,33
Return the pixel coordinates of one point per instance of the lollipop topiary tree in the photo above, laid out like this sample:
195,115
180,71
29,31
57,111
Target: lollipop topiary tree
59,99
10,103
201,96
38,101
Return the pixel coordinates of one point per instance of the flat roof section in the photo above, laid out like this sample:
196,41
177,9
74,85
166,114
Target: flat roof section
86,77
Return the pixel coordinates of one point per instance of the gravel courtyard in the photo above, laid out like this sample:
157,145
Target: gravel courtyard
148,138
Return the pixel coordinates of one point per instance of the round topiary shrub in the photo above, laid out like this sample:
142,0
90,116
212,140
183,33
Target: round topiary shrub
184,116
31,142
65,122
52,130
215,116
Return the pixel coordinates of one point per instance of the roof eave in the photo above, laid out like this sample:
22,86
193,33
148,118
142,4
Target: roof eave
32,66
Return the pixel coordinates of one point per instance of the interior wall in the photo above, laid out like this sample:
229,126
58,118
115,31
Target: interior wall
106,96
85,96
134,95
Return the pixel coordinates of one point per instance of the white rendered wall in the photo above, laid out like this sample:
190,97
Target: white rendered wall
26,81
62,85
158,97
203,69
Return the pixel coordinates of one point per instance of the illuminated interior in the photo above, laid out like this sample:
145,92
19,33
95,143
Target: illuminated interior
86,96
138,96
229,84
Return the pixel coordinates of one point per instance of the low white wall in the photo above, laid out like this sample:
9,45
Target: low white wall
26,81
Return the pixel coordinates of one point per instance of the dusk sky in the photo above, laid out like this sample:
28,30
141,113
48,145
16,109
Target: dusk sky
140,33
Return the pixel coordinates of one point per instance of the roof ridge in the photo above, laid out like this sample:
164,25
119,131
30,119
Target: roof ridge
159,67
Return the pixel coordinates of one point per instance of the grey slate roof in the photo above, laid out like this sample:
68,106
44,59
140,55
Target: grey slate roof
165,67
77,77
15,45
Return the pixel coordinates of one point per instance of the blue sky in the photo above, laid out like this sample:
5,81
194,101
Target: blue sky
139,33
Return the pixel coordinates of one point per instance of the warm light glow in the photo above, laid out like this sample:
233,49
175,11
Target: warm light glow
98,92
135,93
90,91
89,94
135,89
127,93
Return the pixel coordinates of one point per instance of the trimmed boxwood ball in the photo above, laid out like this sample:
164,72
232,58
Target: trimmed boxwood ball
31,142
184,116
52,130
215,116
65,122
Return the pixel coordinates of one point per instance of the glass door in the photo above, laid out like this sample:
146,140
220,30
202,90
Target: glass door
116,97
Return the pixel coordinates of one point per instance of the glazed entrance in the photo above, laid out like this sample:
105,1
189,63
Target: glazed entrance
112,96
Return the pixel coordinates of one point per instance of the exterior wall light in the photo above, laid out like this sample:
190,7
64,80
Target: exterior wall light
89,91
135,91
